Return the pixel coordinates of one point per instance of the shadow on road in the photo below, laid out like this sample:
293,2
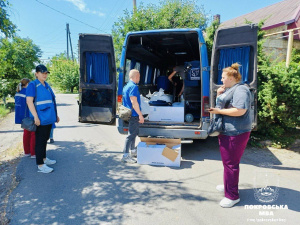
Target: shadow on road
89,185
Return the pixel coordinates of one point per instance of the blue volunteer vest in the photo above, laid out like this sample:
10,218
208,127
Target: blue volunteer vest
44,103
20,106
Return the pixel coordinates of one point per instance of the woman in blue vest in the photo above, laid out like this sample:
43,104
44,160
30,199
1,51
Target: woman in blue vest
42,106
21,111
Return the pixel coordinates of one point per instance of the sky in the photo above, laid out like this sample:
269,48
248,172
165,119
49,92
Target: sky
44,21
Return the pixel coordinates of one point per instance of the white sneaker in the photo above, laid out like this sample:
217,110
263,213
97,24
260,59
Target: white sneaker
27,154
45,169
228,203
33,156
49,161
220,187
128,159
133,153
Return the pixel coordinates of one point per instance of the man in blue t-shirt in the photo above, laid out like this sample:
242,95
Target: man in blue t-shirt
131,100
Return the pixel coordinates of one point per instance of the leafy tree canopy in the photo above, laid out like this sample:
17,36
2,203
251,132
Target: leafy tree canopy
17,59
64,73
168,14
6,26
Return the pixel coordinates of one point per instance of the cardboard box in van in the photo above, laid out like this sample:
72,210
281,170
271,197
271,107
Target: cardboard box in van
159,152
174,113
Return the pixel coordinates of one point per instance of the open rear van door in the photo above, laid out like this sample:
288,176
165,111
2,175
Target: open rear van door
97,86
236,44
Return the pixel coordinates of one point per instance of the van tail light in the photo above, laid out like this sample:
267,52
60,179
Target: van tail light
205,106
120,98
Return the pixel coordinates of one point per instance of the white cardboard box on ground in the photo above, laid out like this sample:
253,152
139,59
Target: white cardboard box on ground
159,151
174,113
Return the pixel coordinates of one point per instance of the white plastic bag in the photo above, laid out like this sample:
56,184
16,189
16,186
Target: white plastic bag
160,95
145,108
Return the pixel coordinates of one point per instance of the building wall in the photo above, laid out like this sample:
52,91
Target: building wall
276,45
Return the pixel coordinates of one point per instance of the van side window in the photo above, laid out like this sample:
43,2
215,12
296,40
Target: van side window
128,62
149,74
131,64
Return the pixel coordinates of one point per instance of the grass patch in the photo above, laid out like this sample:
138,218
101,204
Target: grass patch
3,111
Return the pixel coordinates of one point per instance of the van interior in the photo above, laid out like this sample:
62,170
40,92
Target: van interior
155,55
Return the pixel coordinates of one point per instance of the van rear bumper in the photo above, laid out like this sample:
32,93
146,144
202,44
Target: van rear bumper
166,133
173,133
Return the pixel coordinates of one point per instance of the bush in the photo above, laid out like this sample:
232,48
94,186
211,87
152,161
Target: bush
3,111
279,102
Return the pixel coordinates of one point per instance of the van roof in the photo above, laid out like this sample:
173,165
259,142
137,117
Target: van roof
165,30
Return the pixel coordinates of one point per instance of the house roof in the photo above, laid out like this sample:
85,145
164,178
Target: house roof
278,14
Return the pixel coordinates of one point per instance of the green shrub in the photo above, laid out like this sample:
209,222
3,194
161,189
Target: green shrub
3,111
279,102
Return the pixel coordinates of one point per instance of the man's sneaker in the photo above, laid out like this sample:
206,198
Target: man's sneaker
51,141
128,159
27,154
220,187
49,161
133,153
33,156
45,169
228,203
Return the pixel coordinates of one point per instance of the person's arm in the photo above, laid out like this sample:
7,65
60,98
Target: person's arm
32,109
136,107
182,89
228,112
171,76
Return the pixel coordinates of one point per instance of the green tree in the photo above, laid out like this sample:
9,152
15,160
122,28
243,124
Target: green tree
64,73
209,37
169,14
6,26
17,58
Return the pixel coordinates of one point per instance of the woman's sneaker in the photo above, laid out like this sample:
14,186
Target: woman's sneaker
49,161
45,169
220,187
228,203
128,159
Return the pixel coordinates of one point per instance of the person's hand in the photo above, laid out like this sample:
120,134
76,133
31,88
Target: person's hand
57,119
214,110
221,90
141,119
37,121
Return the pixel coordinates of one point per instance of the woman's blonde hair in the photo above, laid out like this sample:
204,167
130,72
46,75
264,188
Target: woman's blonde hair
22,84
233,71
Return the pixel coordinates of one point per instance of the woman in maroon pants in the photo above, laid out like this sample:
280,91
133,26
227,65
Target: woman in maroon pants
237,127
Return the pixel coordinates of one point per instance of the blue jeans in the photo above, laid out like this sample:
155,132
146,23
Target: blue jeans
133,131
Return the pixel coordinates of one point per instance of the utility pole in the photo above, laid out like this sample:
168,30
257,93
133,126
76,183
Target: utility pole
69,38
134,5
71,45
67,29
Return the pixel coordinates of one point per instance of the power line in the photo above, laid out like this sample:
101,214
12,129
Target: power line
69,16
